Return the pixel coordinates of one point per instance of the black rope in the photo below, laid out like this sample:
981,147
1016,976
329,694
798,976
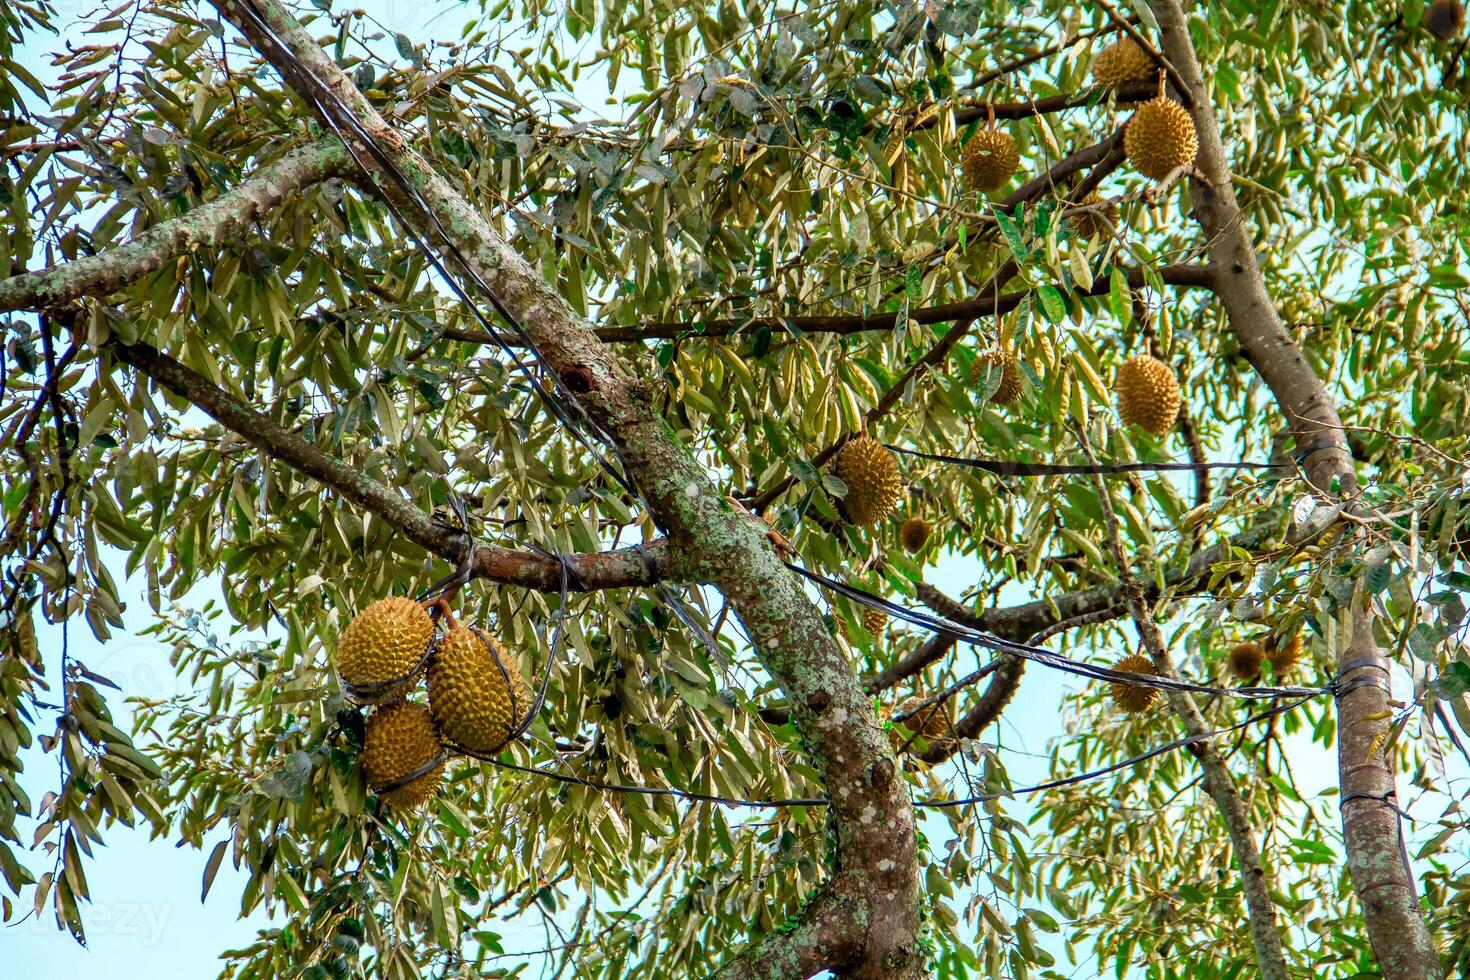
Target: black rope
1342,686
1178,743
413,774
939,624
1003,467
934,803
460,577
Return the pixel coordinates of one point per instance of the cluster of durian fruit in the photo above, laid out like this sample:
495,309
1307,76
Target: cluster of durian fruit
476,697
1246,660
1159,138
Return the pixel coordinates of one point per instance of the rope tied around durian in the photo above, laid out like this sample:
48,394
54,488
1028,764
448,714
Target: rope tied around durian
370,693
439,759
460,577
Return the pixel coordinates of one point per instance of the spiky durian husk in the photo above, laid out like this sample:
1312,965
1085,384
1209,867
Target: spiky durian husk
475,691
874,487
1097,223
1134,698
1121,63
875,621
933,725
1284,656
1148,394
400,738
1246,659
385,642
914,534
989,159
1009,391
1160,137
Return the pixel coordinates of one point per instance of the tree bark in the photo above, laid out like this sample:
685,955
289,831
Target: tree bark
224,218
619,568
874,933
1255,883
1381,876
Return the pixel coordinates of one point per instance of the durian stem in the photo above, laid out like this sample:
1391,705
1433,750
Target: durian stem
438,608
1255,885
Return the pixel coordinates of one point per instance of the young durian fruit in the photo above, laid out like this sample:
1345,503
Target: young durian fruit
1096,223
1004,359
989,158
379,652
1148,394
870,472
914,534
875,621
933,726
1160,137
1134,698
1123,62
1246,659
1284,654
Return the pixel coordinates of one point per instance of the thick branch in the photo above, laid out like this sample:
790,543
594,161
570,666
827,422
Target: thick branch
1381,875
986,709
1139,92
990,304
604,570
931,651
1029,618
219,220
715,542
823,936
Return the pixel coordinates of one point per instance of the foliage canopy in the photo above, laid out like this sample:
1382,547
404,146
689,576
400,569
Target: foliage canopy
767,224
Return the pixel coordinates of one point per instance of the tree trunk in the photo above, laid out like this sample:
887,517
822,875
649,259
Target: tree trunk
866,924
1376,857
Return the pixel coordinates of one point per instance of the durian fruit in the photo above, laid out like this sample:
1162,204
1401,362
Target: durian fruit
989,159
1133,697
875,621
1283,656
399,739
1445,18
1160,137
476,702
914,534
1148,394
384,643
1246,659
933,725
868,469
1098,223
986,362
1121,63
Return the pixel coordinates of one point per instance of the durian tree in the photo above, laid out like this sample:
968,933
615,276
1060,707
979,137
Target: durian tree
556,462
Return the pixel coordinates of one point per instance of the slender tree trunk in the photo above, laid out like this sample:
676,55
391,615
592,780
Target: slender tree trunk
1255,883
1376,857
